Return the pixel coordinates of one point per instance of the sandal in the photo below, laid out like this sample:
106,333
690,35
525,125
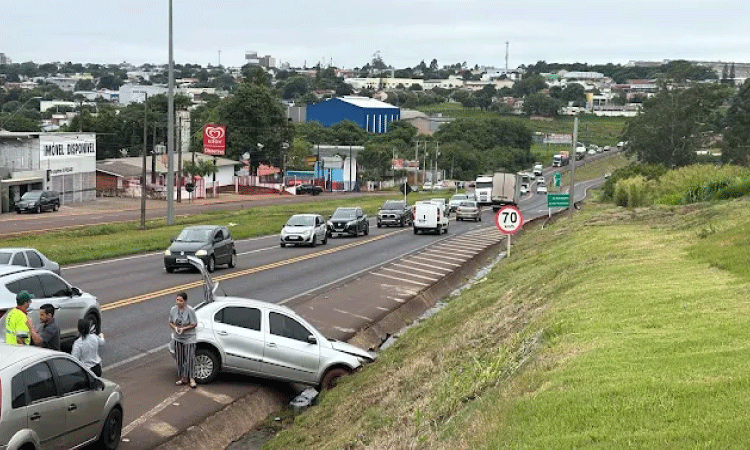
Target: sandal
192,384
180,382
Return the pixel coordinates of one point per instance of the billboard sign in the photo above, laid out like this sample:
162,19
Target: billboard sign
214,139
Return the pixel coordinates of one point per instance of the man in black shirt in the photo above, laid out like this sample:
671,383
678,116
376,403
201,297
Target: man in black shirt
48,333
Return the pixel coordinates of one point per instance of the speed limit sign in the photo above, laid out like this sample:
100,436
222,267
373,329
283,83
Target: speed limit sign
509,219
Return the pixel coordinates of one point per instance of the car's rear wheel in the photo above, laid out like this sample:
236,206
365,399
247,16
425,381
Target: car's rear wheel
211,266
206,365
331,377
112,430
232,260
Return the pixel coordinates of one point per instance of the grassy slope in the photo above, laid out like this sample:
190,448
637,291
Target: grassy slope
614,329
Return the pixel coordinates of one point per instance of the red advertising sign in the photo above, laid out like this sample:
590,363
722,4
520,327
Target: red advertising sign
214,139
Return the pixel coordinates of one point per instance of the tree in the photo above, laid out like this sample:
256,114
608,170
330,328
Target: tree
200,168
348,133
110,82
529,85
574,93
253,115
737,134
84,85
666,130
375,160
295,87
540,104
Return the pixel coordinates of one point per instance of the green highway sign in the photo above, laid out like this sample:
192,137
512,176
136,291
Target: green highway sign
556,178
558,200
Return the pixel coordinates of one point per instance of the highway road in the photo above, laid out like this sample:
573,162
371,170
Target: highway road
340,287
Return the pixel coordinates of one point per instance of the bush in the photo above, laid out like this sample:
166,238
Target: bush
633,192
739,189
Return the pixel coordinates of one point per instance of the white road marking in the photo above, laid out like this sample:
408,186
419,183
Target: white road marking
432,260
351,314
417,269
154,411
440,256
431,266
218,398
399,279
163,429
401,272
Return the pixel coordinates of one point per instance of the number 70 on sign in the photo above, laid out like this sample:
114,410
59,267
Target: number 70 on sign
509,219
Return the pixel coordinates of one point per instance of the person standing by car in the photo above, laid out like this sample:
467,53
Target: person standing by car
47,332
182,321
18,326
86,347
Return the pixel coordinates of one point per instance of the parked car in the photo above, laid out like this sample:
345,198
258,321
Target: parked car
469,209
266,340
38,201
455,201
351,221
427,186
47,287
49,400
27,257
211,243
304,229
308,189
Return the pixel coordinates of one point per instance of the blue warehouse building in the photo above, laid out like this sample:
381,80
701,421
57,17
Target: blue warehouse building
372,115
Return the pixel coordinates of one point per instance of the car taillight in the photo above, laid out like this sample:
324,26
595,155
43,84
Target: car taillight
438,216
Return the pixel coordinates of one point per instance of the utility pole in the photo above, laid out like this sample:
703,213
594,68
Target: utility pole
179,159
143,169
571,190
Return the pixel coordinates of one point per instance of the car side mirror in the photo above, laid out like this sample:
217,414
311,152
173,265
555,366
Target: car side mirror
75,292
171,240
311,339
97,384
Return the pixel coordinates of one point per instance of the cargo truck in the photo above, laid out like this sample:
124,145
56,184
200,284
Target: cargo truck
505,189
560,159
483,189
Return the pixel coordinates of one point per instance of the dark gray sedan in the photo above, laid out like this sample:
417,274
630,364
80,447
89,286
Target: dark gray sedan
213,244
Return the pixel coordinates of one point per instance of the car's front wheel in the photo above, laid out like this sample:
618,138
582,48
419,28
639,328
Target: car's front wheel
38,209
325,239
367,229
232,260
206,365
211,266
331,377
112,430
314,241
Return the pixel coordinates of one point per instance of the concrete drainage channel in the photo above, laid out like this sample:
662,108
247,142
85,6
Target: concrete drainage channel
239,426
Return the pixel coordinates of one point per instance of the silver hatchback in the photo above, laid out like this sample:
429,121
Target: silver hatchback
266,340
48,400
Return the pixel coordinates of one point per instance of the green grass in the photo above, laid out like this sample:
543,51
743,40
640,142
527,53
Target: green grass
112,240
618,328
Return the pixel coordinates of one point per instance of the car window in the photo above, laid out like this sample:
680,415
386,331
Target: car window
34,259
54,286
5,257
39,382
18,259
285,326
18,391
31,284
227,235
219,236
71,376
239,316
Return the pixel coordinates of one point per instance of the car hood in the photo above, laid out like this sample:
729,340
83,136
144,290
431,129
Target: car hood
351,349
179,246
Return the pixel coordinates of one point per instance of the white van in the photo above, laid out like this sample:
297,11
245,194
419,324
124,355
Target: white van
430,216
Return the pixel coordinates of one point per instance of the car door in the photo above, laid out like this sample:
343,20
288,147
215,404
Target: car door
220,247
45,410
83,404
288,354
361,221
19,260
321,229
237,329
58,293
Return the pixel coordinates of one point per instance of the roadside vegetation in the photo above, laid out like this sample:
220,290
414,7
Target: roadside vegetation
616,328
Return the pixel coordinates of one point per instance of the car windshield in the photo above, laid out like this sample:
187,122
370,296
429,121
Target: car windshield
5,257
344,214
192,235
393,205
300,221
31,196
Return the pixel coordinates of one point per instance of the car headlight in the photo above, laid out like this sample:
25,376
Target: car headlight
201,253
167,252
351,223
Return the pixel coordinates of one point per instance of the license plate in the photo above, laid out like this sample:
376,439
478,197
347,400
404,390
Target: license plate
181,260
294,238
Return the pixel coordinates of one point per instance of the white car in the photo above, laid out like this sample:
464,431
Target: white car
540,180
456,200
266,340
304,229
541,189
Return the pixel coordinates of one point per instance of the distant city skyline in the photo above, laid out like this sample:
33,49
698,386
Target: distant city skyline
403,32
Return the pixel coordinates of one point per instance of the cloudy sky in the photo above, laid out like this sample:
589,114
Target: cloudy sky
348,33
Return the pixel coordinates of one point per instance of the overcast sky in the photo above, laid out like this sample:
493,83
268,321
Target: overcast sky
348,33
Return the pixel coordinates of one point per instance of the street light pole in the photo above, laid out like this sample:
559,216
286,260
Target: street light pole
170,128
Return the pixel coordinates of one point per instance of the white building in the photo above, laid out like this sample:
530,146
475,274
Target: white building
64,162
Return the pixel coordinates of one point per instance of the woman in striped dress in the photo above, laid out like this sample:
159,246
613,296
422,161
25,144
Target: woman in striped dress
183,321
